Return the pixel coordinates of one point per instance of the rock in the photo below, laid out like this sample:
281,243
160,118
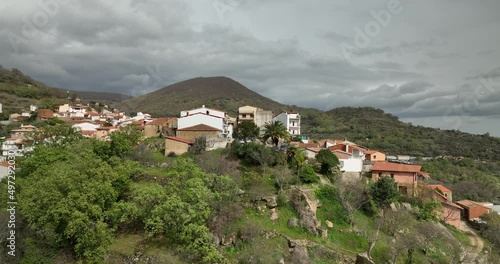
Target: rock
323,232
407,206
241,192
293,222
291,243
306,209
274,215
329,224
393,207
299,255
271,202
281,261
363,258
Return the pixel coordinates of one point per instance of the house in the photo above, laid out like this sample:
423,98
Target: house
160,125
209,117
311,152
443,190
348,163
45,114
104,132
176,145
22,131
451,213
257,115
473,210
63,108
374,155
406,176
291,121
356,151
200,130
14,144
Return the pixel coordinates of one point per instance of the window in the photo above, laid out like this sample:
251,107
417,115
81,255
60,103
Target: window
380,174
392,175
374,156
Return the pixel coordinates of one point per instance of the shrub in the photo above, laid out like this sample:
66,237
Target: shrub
308,175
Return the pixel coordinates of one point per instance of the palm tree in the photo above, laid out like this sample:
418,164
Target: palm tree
275,130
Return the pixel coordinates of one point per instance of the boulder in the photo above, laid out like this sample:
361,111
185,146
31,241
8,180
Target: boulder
407,206
271,202
293,222
323,232
393,207
329,224
274,215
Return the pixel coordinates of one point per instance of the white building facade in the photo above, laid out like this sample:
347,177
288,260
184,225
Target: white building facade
291,122
206,116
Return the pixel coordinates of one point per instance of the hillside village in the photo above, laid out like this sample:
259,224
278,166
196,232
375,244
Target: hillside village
207,129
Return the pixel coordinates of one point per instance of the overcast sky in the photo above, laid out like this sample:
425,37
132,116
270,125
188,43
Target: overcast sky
434,63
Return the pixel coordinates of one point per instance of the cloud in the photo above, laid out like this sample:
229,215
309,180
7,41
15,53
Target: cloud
418,66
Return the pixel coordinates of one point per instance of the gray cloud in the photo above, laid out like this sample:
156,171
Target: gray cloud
417,67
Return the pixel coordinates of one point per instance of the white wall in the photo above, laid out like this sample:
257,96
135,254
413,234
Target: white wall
351,165
193,120
203,110
85,126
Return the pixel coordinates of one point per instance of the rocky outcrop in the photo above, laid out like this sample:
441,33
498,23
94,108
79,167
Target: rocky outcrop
305,205
363,258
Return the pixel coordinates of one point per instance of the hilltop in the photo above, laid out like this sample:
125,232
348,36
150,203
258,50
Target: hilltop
217,92
18,91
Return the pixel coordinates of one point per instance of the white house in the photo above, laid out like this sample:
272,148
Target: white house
206,116
291,121
33,108
15,144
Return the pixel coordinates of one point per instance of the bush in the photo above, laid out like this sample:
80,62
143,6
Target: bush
308,175
384,191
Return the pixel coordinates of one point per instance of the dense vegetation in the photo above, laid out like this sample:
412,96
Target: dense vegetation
103,201
467,178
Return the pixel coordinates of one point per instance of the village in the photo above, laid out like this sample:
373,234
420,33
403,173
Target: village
217,127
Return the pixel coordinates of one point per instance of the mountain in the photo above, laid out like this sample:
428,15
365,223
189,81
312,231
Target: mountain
18,91
216,92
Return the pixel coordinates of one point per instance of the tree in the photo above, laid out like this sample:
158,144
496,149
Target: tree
352,195
275,130
384,191
296,157
67,200
199,146
247,131
327,160
123,141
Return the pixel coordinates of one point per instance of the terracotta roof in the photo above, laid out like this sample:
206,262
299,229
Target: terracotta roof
180,140
341,154
88,132
315,150
371,151
439,187
357,147
200,127
469,204
45,113
92,113
307,145
388,166
161,121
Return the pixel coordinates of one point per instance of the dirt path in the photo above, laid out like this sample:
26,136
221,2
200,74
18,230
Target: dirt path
476,242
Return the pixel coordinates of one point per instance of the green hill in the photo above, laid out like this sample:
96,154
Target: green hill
18,91
216,92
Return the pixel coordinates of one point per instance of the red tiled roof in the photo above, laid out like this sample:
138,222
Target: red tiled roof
92,113
439,187
371,151
469,204
45,113
341,154
200,127
180,140
389,166
307,145
315,150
